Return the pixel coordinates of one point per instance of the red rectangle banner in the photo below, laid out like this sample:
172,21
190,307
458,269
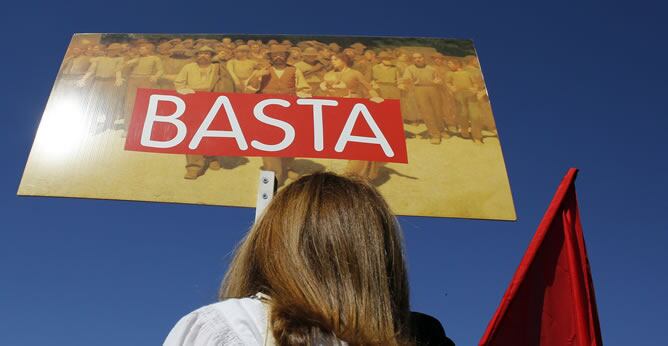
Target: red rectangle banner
232,124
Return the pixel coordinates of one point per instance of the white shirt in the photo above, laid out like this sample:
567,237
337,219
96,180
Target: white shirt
230,322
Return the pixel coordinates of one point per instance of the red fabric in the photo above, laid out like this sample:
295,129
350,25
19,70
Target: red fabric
550,300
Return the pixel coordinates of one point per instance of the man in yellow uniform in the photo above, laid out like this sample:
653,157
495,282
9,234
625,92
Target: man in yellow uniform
334,47
286,43
225,82
352,54
200,75
95,50
145,70
325,57
409,110
227,42
199,43
366,63
279,78
294,55
106,87
312,69
386,76
189,46
74,67
241,68
448,102
128,52
481,108
425,81
463,87
358,48
172,66
163,51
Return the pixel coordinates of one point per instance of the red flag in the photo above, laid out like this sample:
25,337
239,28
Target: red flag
550,300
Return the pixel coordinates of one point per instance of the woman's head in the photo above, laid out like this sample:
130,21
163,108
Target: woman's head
341,60
329,253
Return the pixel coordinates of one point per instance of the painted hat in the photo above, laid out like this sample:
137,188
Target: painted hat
385,55
179,48
115,46
310,51
206,49
277,49
334,46
358,45
437,55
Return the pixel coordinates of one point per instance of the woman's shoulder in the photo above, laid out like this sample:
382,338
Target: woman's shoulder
241,321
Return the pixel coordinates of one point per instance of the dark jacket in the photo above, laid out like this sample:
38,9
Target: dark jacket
428,330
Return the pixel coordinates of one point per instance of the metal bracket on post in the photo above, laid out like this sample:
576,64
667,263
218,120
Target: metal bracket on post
266,189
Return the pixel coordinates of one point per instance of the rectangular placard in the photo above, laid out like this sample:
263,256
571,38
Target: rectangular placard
195,118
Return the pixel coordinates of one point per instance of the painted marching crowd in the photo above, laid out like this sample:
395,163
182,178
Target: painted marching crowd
445,93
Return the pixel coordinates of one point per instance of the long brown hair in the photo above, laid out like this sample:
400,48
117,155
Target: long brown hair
329,253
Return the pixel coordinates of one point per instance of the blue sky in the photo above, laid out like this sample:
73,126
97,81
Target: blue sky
572,84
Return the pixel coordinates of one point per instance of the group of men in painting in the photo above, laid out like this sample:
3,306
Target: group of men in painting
446,93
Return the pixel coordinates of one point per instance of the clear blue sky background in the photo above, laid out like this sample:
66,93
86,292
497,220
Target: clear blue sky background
571,83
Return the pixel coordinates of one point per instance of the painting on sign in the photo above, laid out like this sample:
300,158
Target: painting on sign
195,118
